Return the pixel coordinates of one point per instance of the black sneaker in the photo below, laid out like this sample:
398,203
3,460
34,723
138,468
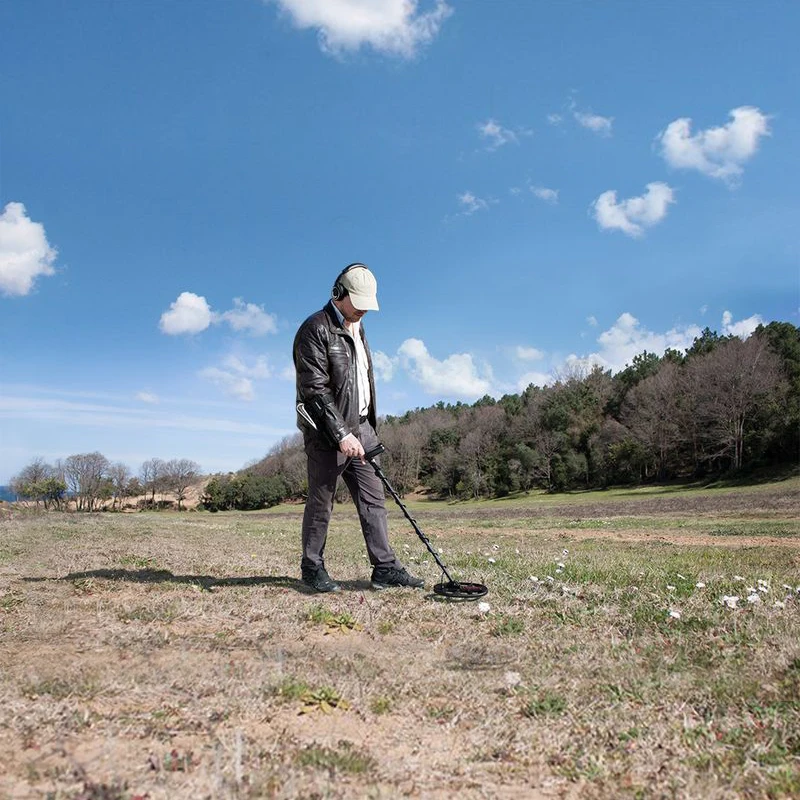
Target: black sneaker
319,580
387,577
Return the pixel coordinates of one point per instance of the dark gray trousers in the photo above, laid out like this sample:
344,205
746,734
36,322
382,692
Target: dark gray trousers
366,489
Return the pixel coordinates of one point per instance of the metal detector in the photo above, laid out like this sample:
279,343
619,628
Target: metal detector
452,590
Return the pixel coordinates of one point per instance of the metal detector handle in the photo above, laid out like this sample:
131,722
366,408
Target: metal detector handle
376,451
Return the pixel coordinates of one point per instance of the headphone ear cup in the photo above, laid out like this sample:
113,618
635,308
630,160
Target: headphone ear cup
338,291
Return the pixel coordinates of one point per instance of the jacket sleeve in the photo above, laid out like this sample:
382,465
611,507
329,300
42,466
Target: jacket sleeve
313,383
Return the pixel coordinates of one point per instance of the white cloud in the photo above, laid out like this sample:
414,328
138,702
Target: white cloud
633,215
496,134
528,353
233,385
24,251
190,313
717,152
594,122
382,365
743,328
395,27
627,338
236,376
250,317
555,119
543,193
147,397
470,203
288,373
592,320
258,369
535,378
455,376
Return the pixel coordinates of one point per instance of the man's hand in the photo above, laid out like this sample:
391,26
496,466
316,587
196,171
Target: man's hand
352,448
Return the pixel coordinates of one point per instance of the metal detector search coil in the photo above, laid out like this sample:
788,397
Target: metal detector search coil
450,589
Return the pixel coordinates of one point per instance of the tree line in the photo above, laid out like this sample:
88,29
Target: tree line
724,405
90,480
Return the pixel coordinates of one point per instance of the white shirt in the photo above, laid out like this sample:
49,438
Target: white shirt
362,363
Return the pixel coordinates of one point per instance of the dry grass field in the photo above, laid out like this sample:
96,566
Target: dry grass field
166,655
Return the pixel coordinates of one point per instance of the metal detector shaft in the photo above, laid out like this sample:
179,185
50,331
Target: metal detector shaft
370,455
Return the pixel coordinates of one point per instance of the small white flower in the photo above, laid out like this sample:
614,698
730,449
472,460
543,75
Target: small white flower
763,588
550,578
492,561
682,577
753,598
738,578
786,586
495,547
779,604
670,587
700,585
634,588
675,614
484,607
534,579
441,551
751,590
565,552
730,600
561,565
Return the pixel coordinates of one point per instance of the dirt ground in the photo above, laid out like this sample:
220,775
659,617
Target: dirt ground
178,656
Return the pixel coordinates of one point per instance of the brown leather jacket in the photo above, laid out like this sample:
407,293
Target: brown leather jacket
325,364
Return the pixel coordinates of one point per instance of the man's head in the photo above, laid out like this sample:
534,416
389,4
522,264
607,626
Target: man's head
358,285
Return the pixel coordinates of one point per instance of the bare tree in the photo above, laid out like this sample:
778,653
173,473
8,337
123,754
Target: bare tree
730,382
179,475
120,476
651,411
85,475
151,476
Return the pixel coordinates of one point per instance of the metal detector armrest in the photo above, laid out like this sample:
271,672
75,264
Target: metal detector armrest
376,451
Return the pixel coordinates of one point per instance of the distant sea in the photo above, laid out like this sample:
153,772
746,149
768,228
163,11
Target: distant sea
6,494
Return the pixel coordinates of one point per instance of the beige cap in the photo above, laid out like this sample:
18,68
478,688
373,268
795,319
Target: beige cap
362,288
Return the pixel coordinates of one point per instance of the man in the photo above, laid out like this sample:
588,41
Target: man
336,412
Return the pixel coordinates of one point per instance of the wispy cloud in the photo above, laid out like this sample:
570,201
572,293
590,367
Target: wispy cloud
125,418
717,152
235,376
249,318
633,215
546,194
147,397
470,203
25,253
191,314
394,27
496,134
526,353
594,122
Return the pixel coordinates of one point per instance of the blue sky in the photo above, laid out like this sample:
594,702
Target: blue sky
537,187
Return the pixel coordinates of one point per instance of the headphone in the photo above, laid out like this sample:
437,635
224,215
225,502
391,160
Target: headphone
338,292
